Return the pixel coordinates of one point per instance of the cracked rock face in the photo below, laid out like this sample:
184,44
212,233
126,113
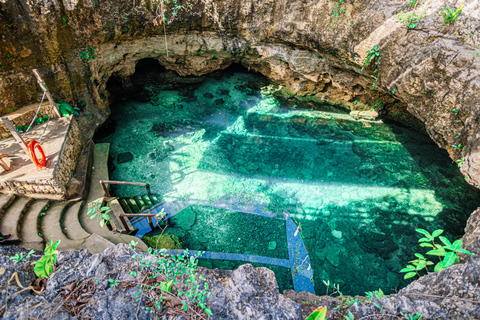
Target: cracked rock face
246,293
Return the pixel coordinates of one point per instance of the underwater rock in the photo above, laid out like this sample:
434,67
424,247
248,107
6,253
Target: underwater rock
364,115
219,102
208,95
167,241
334,253
124,157
185,219
272,245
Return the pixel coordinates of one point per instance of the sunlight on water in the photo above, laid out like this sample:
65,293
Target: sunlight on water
358,189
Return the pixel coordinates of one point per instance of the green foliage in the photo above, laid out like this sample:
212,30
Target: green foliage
21,129
66,110
88,54
19,256
112,282
167,241
412,3
449,251
41,120
411,18
335,287
371,55
452,16
318,314
173,269
378,293
44,267
96,209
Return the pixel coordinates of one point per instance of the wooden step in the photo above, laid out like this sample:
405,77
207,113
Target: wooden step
141,204
147,201
29,231
133,205
115,218
12,218
71,223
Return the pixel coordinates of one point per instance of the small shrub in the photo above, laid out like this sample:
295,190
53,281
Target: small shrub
411,18
371,55
449,251
44,267
88,54
452,16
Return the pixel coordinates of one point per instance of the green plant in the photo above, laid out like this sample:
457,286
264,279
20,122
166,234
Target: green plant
112,282
411,18
410,316
66,110
371,55
335,287
449,251
460,162
96,209
318,314
41,120
44,267
21,129
19,256
452,16
378,293
168,271
88,54
412,4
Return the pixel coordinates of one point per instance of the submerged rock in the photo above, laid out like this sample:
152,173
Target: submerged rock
167,241
124,157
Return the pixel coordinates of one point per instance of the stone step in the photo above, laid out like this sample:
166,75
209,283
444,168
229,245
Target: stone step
92,225
99,172
71,225
29,230
5,201
125,238
12,218
52,228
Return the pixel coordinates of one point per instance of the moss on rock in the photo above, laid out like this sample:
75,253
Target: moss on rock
167,241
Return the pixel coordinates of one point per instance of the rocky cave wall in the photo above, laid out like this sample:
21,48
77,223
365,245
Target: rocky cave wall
427,77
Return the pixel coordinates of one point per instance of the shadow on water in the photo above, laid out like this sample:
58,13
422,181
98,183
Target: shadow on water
358,189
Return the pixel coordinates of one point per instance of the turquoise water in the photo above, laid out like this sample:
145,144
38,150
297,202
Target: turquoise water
358,189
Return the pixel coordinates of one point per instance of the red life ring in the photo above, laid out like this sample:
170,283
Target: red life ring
32,145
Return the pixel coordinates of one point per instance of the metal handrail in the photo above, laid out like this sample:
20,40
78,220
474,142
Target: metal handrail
104,183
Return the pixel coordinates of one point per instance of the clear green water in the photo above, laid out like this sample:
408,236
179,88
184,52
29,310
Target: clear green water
358,189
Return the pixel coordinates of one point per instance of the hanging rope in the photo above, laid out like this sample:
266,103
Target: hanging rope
33,144
36,114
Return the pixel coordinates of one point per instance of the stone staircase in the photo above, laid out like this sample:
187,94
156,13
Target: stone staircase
34,222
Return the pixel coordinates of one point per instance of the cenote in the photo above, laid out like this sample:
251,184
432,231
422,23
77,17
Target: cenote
357,189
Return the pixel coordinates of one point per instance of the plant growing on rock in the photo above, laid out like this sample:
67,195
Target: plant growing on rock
88,54
449,251
164,280
371,55
452,16
44,266
96,209
411,18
